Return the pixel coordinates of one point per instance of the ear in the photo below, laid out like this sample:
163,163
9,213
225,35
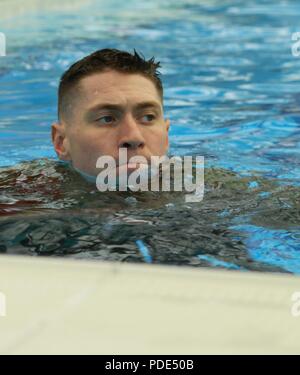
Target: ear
167,124
60,141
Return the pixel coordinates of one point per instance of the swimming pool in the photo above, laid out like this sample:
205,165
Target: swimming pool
232,93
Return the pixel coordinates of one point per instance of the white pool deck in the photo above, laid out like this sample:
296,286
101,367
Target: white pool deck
59,306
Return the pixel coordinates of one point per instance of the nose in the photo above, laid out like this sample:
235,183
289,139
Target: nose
130,135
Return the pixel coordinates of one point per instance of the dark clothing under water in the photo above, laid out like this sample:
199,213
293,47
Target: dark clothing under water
48,209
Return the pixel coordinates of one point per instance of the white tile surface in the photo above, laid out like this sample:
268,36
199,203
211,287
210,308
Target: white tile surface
57,306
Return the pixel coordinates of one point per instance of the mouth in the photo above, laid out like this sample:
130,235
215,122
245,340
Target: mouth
127,164
128,167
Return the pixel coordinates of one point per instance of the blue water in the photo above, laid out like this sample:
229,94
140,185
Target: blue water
232,86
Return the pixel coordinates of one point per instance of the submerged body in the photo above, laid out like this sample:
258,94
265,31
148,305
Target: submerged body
49,209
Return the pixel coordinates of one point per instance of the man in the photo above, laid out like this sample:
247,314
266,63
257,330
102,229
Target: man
107,101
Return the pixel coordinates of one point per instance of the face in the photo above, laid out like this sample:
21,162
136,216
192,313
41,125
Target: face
111,110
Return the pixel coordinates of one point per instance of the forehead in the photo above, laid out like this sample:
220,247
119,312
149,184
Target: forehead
115,87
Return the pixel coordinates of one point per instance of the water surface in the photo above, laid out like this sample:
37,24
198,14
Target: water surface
232,94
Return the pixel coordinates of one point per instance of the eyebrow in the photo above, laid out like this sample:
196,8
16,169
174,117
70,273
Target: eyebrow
117,107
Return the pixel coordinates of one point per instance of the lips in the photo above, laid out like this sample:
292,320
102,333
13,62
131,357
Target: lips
128,167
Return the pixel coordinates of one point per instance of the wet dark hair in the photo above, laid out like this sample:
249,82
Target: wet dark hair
106,59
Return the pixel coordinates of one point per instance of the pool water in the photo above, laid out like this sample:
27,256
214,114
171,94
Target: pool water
232,93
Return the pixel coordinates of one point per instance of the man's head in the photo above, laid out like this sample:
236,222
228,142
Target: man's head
110,100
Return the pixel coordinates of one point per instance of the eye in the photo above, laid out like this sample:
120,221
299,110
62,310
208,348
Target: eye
151,117
105,119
